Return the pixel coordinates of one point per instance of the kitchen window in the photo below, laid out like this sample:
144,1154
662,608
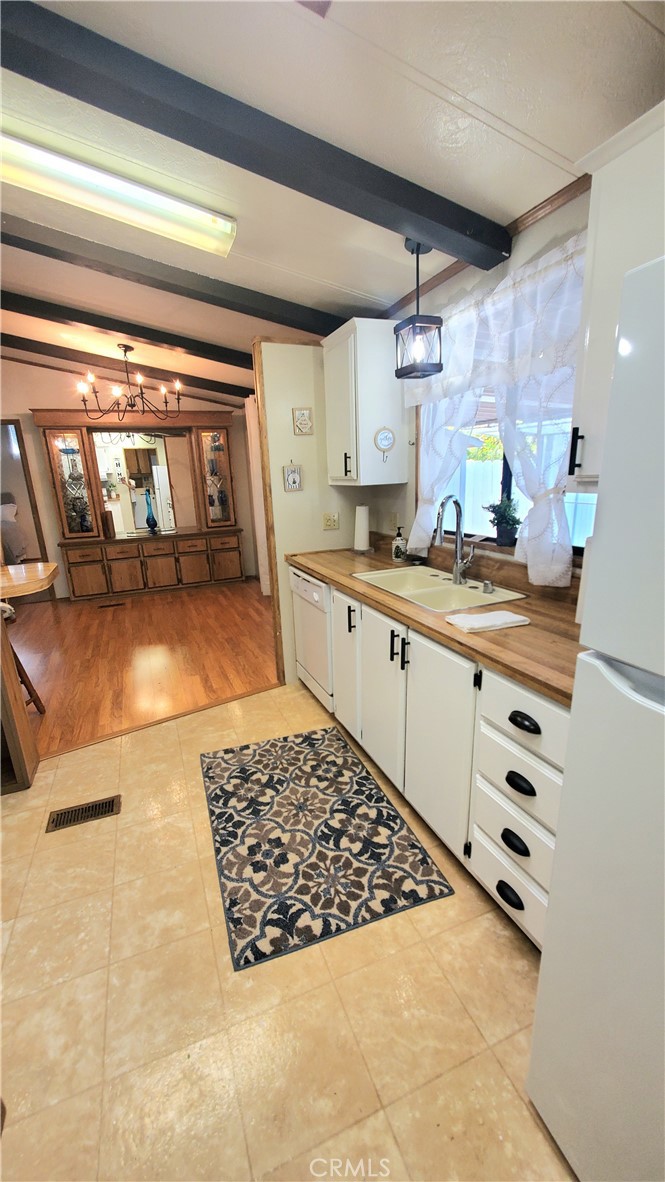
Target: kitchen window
506,394
484,476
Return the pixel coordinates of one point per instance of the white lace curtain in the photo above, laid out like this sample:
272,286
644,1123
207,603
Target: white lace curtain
518,341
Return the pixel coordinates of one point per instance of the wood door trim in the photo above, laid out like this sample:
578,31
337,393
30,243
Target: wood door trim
30,489
267,504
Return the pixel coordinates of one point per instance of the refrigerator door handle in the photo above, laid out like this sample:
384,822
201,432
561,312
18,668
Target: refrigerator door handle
647,689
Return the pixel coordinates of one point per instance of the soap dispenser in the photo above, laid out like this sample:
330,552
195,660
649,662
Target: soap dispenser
399,546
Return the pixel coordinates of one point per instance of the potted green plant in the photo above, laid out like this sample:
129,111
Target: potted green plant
505,520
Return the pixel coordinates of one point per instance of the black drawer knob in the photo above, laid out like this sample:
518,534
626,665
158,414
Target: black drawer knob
524,722
514,843
509,895
519,783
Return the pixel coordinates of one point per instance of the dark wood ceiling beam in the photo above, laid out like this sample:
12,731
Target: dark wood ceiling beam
120,264
116,365
62,314
56,52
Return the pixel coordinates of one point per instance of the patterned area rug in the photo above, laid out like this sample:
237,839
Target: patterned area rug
307,845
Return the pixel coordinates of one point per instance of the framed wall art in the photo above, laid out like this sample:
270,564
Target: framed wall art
303,422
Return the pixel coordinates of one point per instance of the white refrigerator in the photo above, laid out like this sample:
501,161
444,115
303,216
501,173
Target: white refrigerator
598,1052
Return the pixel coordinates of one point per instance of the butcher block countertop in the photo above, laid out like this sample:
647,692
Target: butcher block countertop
540,655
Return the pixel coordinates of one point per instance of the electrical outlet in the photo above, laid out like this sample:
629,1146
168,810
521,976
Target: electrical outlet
331,520
393,522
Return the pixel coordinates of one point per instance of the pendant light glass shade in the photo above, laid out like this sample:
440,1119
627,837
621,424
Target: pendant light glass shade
418,338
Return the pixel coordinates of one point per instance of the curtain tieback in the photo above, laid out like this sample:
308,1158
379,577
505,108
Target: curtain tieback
548,492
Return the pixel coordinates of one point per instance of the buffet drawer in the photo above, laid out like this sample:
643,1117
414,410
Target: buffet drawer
130,550
84,554
518,712
225,543
529,783
522,840
150,548
191,545
519,896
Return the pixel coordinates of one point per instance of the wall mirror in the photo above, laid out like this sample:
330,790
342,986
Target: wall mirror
134,474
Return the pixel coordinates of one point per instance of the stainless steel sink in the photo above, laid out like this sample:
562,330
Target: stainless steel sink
435,589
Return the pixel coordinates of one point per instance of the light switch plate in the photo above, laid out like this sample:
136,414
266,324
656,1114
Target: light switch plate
331,520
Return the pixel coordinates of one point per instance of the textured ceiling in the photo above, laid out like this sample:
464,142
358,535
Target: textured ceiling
488,104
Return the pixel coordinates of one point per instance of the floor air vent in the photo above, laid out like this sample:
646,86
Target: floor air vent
103,607
80,813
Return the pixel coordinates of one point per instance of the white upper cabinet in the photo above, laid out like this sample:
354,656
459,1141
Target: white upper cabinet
626,230
366,421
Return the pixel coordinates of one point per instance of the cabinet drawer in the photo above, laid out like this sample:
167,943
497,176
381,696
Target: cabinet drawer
225,543
518,712
150,548
500,877
85,554
191,545
519,838
131,550
538,786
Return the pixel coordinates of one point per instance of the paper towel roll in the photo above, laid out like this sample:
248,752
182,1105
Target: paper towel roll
361,537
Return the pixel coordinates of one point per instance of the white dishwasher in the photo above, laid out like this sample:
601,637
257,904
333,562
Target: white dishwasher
313,633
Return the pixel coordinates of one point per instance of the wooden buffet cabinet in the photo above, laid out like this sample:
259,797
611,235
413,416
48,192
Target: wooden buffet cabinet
179,558
98,565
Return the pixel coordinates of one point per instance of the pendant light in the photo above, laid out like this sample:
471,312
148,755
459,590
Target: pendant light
128,399
418,338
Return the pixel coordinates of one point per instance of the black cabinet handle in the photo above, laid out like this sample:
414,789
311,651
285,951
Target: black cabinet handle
573,462
403,661
509,896
394,636
520,784
514,843
350,611
347,463
524,722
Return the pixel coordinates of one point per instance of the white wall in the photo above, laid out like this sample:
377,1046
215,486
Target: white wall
28,387
293,376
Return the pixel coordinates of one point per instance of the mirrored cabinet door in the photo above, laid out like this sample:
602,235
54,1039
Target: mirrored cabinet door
213,449
71,482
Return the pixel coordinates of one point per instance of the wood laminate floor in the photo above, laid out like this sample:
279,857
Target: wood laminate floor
103,670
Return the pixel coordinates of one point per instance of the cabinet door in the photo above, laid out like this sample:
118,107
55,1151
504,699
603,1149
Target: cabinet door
625,231
161,572
215,474
346,664
439,738
71,483
88,579
383,692
126,575
226,564
339,368
194,568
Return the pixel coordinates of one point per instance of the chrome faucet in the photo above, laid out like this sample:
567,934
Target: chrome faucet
461,564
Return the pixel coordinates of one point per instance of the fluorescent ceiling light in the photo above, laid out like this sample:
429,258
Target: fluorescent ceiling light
50,175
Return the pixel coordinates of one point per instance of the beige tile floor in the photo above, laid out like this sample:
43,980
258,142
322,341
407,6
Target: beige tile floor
131,1049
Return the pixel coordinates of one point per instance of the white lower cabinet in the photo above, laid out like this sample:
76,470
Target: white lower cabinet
519,752
383,647
478,756
346,621
440,714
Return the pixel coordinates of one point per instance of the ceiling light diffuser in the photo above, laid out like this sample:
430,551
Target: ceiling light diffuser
50,175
